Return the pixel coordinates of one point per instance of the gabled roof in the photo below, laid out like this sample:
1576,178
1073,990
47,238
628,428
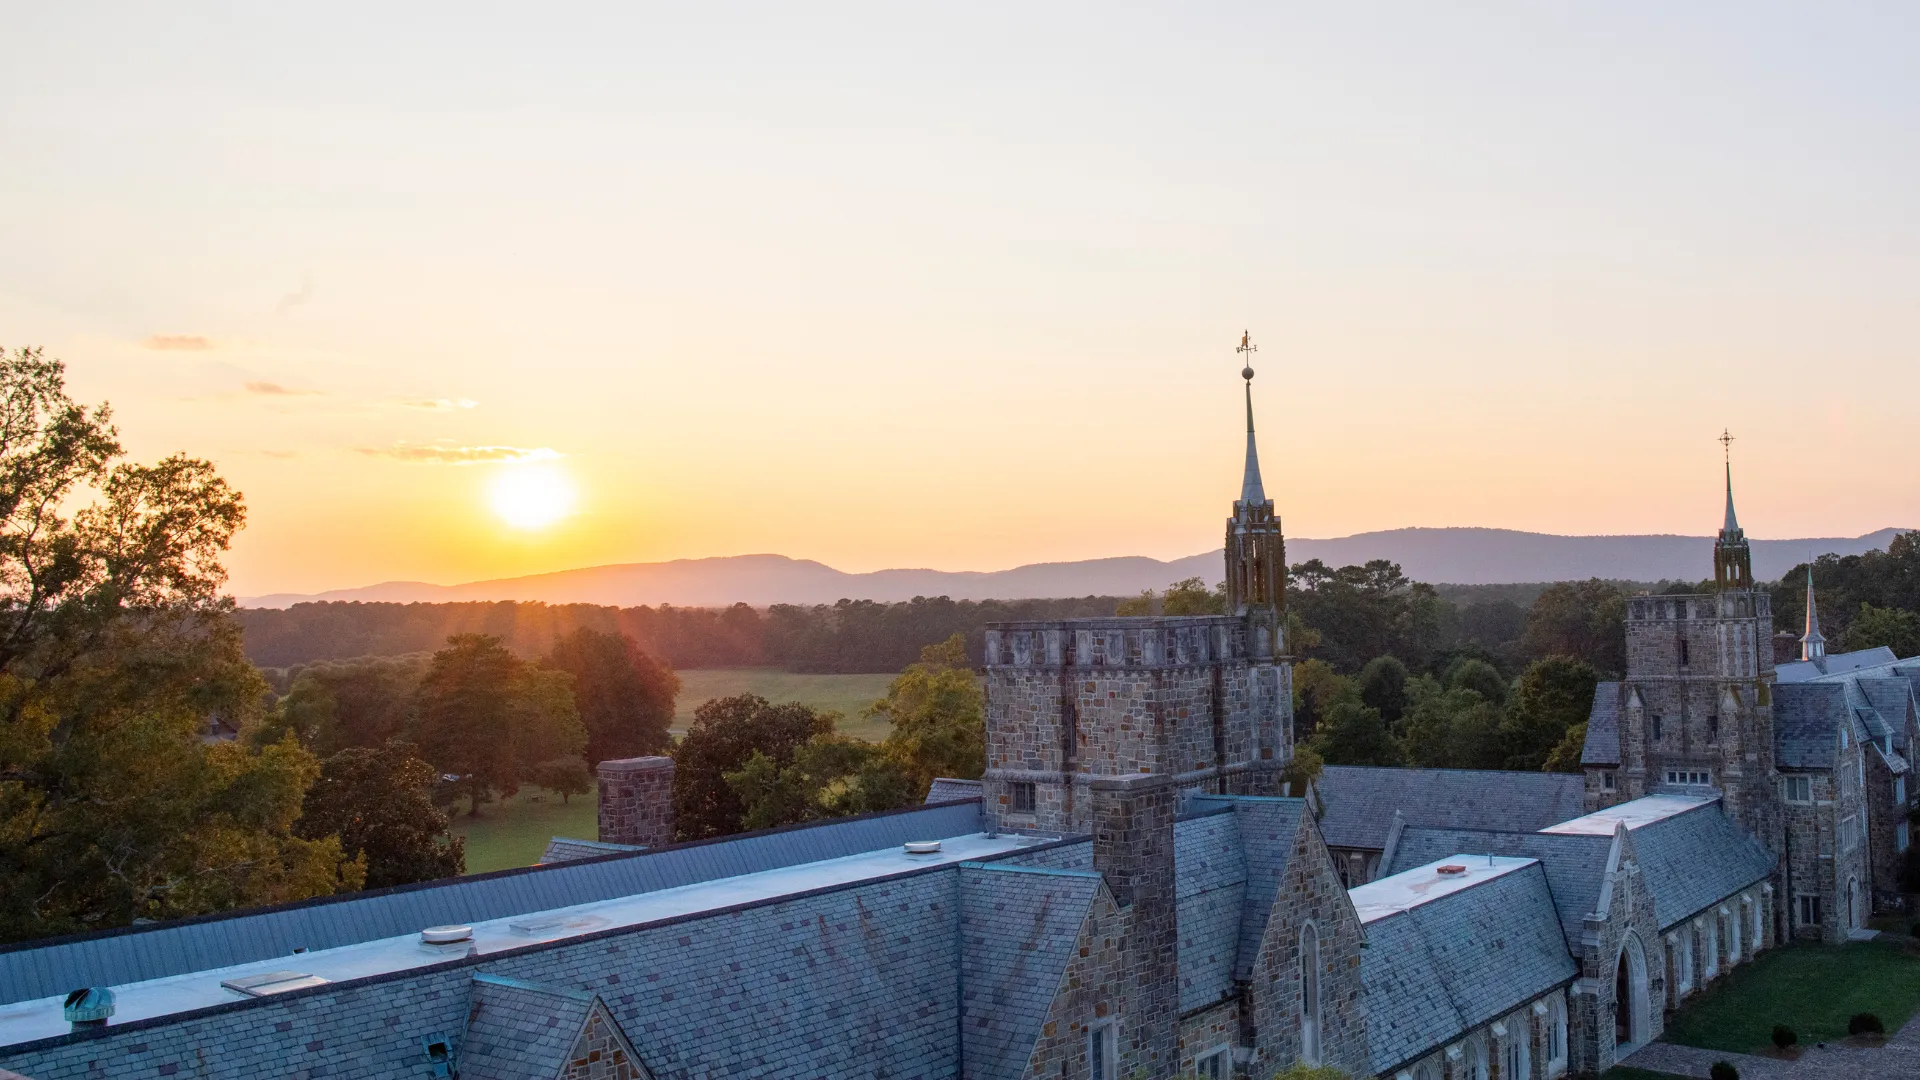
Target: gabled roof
566,849
1603,726
1446,966
519,1030
947,789
1574,863
1210,887
1835,664
1892,698
1018,929
1267,831
1360,801
1807,718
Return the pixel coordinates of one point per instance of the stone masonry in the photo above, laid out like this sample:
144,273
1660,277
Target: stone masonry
636,801
1133,851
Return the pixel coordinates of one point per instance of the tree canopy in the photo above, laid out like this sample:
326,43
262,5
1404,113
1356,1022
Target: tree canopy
379,802
625,696
118,656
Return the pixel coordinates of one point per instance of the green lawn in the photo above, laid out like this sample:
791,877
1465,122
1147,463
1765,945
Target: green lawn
844,694
1812,989
513,832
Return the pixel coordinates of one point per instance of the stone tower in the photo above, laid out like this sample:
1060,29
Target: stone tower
1697,702
1256,556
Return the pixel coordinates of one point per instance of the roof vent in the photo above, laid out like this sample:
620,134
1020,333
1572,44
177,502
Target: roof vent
446,935
1451,869
89,1007
923,847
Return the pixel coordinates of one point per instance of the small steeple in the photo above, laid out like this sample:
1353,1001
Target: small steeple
1731,526
1251,490
1732,556
1255,549
1813,645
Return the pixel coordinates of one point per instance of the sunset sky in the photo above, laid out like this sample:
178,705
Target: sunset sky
454,293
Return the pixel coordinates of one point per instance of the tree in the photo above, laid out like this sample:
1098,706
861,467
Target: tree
1480,677
1303,770
116,653
724,735
379,802
1317,688
1450,728
565,777
1873,627
1383,685
625,696
1354,734
1585,620
831,775
1192,597
363,702
488,718
1553,697
1360,612
938,712
1566,755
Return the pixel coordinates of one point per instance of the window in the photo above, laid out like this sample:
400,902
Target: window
1902,836
1557,1036
1683,652
1216,1065
1309,995
1849,832
1103,1053
1684,964
1518,1059
1732,924
1689,777
1899,791
1606,781
1656,729
1809,911
1799,789
1022,792
1476,1060
1712,966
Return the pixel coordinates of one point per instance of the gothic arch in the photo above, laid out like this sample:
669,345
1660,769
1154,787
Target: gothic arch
1630,1018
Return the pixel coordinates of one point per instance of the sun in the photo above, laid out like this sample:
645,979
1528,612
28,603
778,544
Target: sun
531,496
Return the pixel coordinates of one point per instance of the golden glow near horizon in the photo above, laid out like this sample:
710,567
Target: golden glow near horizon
507,292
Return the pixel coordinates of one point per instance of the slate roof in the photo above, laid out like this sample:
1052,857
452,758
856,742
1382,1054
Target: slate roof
1806,723
1360,800
520,1030
110,958
947,789
1695,859
1892,698
1459,961
1267,830
1575,865
1603,727
1835,664
1018,928
1210,879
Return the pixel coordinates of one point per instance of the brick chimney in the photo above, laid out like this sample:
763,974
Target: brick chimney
1133,851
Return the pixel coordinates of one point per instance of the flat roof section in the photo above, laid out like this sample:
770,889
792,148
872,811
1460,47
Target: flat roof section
1642,811
43,1017
1424,884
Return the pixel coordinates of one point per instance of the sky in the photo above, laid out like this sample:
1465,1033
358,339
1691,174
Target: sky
462,291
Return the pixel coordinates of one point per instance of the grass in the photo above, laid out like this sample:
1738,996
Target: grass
514,831
1812,989
1625,1072
844,694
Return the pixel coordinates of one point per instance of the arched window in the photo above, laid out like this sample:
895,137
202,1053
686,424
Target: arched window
1310,995
1712,949
1426,1070
1518,1059
1476,1060
1557,1035
1732,919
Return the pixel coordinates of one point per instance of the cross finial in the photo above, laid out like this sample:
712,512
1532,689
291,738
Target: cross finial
1726,444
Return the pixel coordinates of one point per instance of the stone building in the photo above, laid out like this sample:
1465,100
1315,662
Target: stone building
1811,757
1129,891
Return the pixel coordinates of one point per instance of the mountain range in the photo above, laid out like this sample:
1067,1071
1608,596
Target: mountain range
1465,556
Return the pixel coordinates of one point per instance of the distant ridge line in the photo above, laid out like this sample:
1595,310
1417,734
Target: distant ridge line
1453,556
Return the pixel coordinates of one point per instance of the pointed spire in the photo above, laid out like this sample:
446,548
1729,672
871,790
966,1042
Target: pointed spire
1813,644
1251,490
1732,524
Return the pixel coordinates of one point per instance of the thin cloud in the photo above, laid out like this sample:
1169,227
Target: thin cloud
440,404
461,455
178,343
268,389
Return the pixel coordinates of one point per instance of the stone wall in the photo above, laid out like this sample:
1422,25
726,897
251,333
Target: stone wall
1206,1031
600,1053
1884,814
1627,914
1309,892
636,801
1093,992
1133,852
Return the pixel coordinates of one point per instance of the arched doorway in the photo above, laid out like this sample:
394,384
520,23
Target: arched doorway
1630,994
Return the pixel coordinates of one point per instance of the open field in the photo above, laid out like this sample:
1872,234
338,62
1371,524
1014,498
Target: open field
845,694
1811,988
513,832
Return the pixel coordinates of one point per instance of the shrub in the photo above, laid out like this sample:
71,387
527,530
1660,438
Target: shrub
1723,1070
1783,1036
1865,1024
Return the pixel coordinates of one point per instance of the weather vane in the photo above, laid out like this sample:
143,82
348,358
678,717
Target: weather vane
1247,348
1726,444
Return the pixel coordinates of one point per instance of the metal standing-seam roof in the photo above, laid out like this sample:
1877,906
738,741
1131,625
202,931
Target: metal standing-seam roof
110,958
1459,961
1360,800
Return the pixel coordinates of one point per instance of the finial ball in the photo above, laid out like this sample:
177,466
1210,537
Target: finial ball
1246,373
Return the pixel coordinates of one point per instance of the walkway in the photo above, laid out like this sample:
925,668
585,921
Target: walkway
1899,1059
